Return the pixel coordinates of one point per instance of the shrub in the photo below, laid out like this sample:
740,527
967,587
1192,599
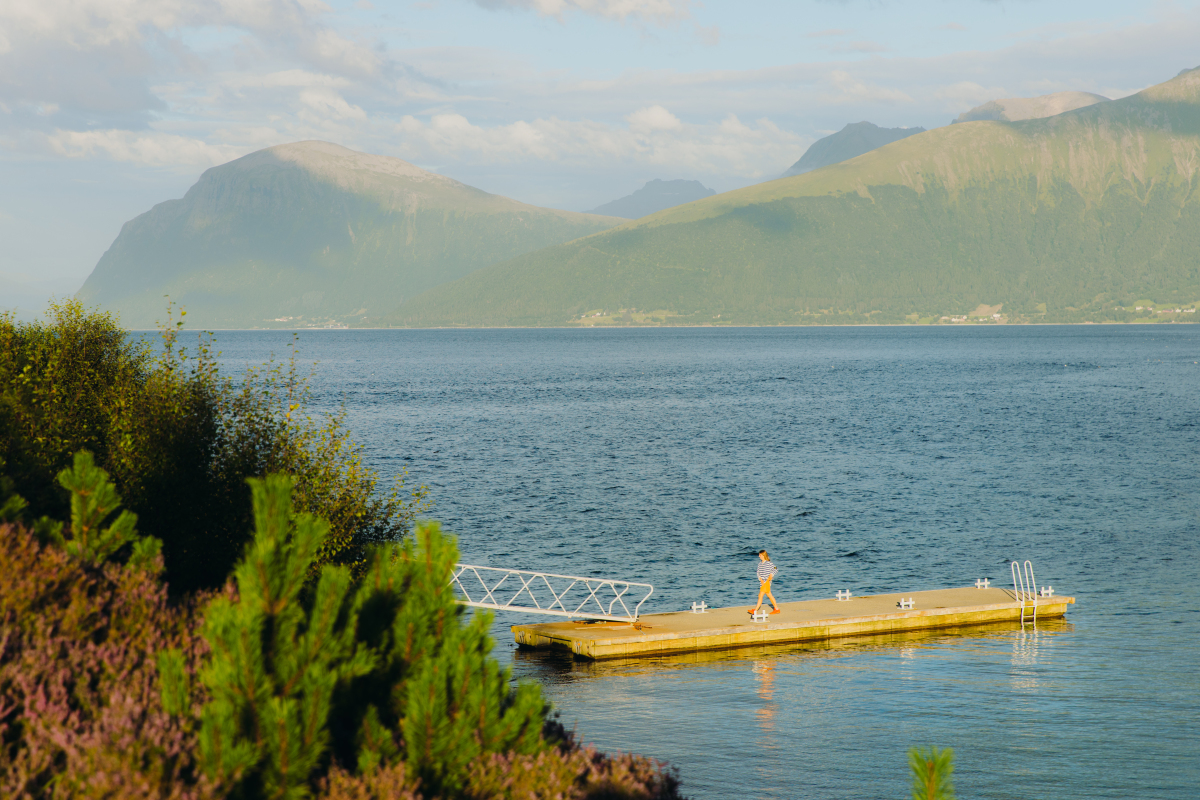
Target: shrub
179,440
80,709
570,772
931,772
349,692
388,664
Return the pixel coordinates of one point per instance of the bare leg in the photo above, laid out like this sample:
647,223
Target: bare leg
764,589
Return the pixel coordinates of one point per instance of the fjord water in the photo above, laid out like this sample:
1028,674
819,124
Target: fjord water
874,459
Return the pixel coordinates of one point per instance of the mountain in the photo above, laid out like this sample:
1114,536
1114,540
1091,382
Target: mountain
851,141
654,196
1015,109
1056,219
313,233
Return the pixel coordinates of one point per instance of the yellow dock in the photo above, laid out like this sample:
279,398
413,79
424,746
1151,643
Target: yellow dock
803,621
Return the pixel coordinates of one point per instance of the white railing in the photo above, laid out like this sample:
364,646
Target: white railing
546,593
1025,588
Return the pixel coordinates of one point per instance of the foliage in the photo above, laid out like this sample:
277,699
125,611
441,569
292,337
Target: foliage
932,771
570,772
276,661
12,505
562,773
93,500
388,664
80,714
384,783
179,440
280,688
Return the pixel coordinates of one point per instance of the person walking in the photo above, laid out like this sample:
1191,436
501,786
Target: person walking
766,572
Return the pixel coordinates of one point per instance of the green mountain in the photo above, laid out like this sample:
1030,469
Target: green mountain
1062,218
655,196
850,142
1014,109
313,233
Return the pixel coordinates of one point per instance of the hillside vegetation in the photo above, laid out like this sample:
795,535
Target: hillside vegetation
312,233
1056,219
323,655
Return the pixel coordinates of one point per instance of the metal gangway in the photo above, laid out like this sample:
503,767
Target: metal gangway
1025,588
546,593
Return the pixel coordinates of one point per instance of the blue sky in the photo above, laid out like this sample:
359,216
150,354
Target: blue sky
110,106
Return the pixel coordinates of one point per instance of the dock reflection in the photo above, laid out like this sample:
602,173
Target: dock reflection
764,672
561,666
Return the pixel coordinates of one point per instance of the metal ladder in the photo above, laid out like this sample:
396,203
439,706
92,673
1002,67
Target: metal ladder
546,593
1025,587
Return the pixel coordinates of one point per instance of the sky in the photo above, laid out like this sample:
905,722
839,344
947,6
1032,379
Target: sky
108,107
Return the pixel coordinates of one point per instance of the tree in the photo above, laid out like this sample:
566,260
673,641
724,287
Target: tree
387,663
178,441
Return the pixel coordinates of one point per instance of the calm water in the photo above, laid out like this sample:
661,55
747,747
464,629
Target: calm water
875,459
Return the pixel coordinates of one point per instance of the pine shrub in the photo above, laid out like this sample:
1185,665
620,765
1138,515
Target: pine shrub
389,664
932,771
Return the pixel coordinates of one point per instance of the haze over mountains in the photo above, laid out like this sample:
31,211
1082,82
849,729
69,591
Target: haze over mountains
313,232
1059,218
1015,109
850,142
654,196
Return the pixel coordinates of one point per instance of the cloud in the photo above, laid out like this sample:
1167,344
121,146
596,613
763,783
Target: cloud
851,89
965,95
328,104
149,149
660,12
860,47
710,37
197,81
96,59
653,118
653,136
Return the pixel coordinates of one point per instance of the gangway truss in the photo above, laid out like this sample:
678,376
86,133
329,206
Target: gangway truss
569,596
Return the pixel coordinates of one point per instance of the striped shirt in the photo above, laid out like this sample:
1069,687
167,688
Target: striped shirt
766,571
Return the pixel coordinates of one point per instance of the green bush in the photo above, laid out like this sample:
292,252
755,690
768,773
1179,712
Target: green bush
179,441
932,771
388,663
278,687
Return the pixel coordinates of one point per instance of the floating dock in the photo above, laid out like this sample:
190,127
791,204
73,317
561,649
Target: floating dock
803,621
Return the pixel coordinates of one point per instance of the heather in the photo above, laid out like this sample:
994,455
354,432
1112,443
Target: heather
300,678
80,714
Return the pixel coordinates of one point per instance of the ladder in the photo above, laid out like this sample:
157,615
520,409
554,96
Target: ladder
1025,588
568,596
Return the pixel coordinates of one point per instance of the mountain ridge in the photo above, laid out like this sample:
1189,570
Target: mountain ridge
656,195
851,141
317,233
1053,218
1015,109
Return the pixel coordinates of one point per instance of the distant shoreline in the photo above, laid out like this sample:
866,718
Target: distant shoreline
683,327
